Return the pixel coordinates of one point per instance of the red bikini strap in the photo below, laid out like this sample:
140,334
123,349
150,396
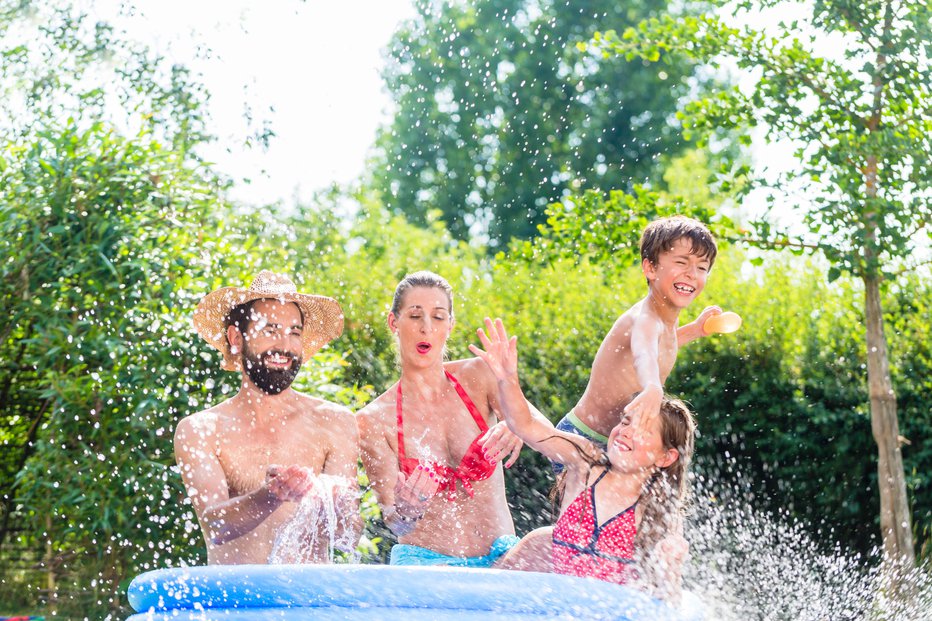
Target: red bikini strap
401,435
473,410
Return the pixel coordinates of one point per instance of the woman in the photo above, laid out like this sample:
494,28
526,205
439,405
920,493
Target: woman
432,444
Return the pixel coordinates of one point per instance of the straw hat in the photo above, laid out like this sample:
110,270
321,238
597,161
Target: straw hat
323,317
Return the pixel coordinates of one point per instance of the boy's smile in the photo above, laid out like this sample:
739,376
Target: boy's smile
679,274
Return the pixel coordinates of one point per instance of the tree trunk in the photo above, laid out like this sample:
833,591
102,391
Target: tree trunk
895,522
51,583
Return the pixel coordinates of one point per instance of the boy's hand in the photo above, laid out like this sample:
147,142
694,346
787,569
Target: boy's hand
693,330
708,311
501,353
646,406
499,442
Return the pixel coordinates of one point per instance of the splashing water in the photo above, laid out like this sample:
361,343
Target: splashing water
748,565
324,515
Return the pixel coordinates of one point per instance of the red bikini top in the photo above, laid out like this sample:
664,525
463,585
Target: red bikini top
473,466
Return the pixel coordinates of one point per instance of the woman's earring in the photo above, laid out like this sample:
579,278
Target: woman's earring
234,349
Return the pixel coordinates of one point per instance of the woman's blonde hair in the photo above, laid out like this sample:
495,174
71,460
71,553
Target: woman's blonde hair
426,279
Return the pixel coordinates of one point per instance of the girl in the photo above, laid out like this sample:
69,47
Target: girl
622,506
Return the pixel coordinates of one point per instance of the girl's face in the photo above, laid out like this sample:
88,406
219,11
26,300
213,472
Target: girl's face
632,448
422,325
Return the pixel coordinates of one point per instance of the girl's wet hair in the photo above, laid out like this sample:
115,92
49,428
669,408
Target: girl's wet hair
660,235
666,494
423,278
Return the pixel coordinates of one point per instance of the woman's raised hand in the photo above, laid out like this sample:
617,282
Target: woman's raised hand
500,353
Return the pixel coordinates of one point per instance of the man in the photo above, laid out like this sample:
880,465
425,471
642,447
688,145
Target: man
248,462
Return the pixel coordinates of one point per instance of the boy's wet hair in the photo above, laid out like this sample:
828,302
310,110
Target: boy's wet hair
660,235
426,279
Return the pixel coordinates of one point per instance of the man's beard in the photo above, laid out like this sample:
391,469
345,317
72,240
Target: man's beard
270,381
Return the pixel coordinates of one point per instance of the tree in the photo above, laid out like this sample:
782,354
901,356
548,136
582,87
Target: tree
60,62
498,113
109,229
863,123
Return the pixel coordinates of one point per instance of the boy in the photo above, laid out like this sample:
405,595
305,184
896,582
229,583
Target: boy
637,355
640,350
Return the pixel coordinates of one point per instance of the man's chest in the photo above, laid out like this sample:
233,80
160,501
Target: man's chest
246,459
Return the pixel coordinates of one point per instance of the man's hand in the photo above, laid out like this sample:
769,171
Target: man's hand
289,483
499,443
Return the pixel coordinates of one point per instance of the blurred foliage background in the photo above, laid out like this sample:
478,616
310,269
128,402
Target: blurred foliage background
112,228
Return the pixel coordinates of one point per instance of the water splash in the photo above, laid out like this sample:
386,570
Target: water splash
749,565
326,515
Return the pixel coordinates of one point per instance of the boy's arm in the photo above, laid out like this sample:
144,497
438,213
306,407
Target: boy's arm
694,330
645,350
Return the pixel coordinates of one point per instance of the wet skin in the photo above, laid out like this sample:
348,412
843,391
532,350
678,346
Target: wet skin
247,461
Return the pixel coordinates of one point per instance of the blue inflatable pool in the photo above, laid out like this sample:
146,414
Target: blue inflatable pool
375,592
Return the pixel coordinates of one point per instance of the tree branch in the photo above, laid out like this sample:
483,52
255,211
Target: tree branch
910,268
778,243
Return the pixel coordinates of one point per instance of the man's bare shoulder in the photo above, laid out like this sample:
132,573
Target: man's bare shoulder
379,410
206,422
325,412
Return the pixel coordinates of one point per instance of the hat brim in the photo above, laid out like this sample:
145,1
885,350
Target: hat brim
323,319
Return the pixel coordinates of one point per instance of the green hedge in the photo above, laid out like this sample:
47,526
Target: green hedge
109,242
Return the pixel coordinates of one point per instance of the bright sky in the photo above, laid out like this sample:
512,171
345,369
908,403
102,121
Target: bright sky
311,68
